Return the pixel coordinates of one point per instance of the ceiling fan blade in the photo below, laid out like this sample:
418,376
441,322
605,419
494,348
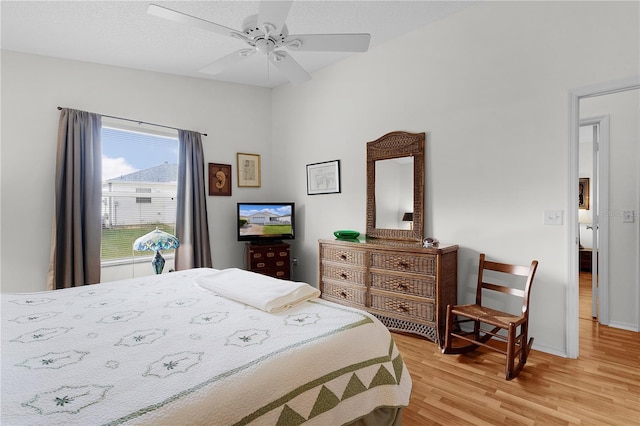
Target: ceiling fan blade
273,14
183,18
289,67
228,61
328,42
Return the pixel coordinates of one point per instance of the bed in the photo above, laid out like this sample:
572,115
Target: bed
169,350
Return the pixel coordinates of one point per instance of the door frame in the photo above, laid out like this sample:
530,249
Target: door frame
575,96
600,203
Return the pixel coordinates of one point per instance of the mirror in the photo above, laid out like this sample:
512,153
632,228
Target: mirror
394,193
395,186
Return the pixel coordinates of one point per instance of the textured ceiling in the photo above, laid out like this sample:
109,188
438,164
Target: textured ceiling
121,33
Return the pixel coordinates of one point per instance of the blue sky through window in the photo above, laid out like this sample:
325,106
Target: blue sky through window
125,152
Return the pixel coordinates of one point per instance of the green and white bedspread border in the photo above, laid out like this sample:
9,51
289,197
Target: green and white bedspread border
326,398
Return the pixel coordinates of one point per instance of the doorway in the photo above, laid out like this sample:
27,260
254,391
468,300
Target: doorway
627,294
593,148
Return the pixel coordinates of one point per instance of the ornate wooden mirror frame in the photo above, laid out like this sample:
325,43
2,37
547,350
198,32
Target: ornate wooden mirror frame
396,145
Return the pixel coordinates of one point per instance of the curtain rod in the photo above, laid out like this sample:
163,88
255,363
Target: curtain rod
139,122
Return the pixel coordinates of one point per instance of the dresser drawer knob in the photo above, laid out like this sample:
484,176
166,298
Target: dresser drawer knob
344,276
403,308
343,256
343,294
403,286
403,264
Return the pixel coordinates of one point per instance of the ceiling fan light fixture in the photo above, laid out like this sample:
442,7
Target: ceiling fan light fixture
265,45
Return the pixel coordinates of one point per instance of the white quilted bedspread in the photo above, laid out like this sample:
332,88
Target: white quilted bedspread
160,350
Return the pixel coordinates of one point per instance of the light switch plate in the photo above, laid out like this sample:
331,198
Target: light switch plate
627,216
553,217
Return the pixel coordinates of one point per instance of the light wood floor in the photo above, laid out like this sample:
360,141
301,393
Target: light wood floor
601,387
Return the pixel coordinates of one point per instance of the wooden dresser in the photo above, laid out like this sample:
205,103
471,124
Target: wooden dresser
269,259
403,284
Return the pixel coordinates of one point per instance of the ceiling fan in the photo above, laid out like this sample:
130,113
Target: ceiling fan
266,33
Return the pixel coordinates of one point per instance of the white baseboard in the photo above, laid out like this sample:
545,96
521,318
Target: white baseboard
624,326
562,352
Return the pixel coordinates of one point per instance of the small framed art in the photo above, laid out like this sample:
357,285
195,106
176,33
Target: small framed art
219,179
248,170
323,178
583,193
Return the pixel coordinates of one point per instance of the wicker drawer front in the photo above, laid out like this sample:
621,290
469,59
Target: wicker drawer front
343,255
343,294
343,274
404,307
423,287
425,265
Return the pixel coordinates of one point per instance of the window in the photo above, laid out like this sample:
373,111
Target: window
143,199
139,185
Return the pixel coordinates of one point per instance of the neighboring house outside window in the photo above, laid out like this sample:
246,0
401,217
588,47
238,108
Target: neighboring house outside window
139,187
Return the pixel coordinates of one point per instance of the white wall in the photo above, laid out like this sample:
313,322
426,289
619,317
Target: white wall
32,88
489,85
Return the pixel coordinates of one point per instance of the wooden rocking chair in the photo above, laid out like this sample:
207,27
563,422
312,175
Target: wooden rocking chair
517,346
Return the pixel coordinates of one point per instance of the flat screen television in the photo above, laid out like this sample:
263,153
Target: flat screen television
266,223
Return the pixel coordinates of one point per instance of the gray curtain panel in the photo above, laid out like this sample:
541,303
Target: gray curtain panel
192,229
76,228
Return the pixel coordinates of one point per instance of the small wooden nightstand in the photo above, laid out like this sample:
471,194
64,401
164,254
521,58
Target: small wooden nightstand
586,258
269,259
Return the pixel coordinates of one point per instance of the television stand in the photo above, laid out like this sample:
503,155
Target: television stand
272,259
266,243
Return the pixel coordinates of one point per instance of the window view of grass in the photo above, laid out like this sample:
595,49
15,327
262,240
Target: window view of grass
117,242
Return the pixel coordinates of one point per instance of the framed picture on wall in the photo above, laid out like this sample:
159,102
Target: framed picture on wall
323,178
219,179
583,193
248,170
